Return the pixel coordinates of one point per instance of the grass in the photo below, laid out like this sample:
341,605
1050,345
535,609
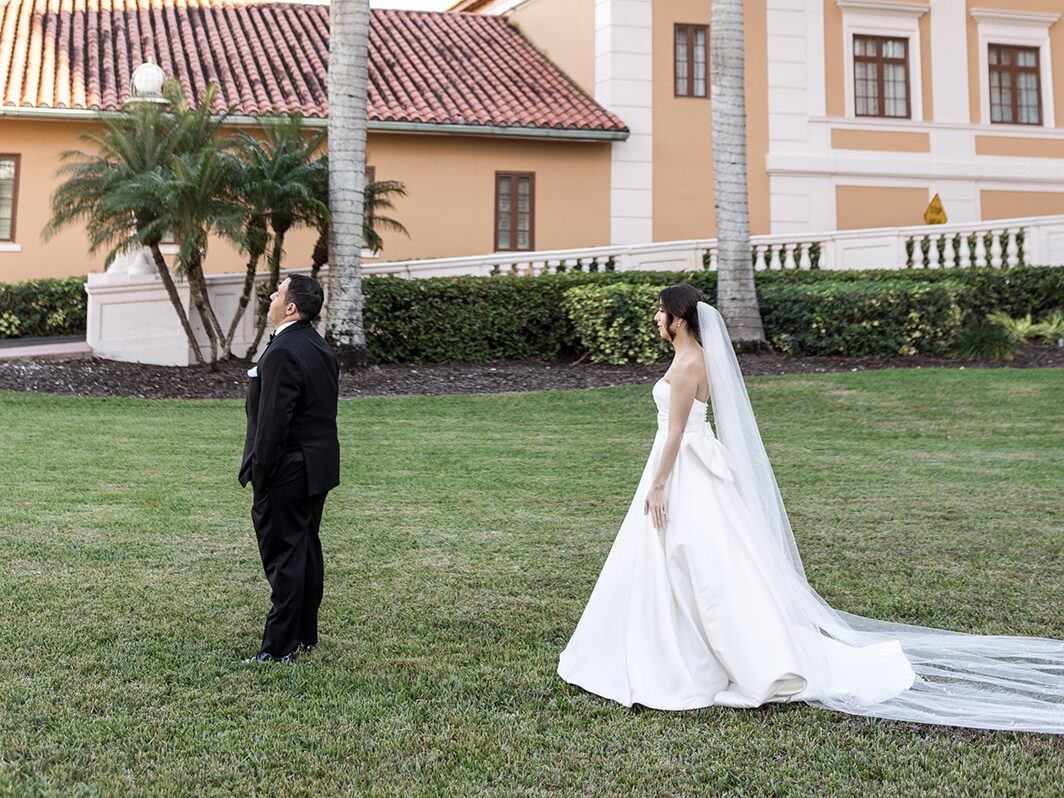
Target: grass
459,553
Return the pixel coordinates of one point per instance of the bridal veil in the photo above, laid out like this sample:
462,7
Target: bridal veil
975,681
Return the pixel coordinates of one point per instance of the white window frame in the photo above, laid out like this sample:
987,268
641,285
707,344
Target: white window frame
894,21
1021,29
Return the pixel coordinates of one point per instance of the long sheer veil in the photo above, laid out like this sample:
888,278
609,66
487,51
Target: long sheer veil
977,681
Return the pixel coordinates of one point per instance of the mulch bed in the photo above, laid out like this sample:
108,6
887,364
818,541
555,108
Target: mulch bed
95,377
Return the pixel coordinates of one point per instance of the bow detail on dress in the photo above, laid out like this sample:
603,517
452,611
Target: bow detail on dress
713,454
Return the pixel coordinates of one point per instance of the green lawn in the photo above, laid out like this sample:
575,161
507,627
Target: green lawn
459,553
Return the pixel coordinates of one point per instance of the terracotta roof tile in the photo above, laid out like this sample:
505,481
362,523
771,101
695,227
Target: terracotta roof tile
434,68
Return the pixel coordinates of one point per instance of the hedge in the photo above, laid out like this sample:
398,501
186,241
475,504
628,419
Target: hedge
613,322
895,317
457,319
486,318
466,319
37,308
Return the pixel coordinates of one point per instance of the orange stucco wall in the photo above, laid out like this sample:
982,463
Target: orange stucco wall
41,144
450,182
449,210
1013,204
683,149
834,61
1056,45
877,206
570,45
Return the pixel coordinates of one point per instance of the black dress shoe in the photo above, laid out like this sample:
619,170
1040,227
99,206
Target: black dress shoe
265,656
305,648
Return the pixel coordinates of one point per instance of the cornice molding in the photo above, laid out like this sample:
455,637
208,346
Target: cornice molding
884,8
1029,19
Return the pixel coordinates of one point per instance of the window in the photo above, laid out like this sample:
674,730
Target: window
692,60
1015,90
881,76
514,210
8,195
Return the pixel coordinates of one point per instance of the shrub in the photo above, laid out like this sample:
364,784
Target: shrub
53,306
883,318
614,323
985,340
485,318
456,319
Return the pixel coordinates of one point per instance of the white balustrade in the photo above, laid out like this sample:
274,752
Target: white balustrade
130,318
980,250
995,249
966,252
774,262
1012,251
759,263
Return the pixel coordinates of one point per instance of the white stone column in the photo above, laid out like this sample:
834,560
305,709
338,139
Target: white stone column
949,61
624,84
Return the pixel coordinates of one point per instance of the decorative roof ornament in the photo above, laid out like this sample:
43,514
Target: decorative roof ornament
146,84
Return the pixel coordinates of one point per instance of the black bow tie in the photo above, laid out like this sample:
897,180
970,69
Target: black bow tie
272,336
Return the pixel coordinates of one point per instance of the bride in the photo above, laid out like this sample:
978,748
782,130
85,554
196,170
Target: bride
703,601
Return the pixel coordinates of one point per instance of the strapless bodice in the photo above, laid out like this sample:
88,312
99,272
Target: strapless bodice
696,419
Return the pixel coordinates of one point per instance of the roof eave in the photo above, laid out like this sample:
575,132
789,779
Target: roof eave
577,134
375,125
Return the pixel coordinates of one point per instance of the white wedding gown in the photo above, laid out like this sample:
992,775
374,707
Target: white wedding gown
716,609
695,615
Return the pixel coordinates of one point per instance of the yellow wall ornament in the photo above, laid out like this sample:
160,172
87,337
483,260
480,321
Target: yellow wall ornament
935,213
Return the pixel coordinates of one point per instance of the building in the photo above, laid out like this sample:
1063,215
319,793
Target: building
593,116
859,111
462,109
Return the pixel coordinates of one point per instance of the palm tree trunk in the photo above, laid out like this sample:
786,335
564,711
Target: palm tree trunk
242,305
275,280
175,300
196,283
736,296
256,233
320,255
348,83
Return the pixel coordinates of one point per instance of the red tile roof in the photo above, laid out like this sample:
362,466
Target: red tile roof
435,68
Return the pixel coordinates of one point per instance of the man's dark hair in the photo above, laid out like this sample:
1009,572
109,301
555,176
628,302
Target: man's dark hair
306,294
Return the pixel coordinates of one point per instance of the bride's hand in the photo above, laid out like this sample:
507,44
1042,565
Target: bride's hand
654,506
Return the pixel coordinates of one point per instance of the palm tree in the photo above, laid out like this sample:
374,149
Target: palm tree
736,295
197,191
278,186
348,85
379,196
158,171
103,189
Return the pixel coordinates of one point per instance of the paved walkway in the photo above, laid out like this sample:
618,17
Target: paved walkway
33,348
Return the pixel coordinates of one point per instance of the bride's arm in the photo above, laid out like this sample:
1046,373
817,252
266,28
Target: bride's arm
682,386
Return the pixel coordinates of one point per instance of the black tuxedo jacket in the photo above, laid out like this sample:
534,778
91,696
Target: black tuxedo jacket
291,409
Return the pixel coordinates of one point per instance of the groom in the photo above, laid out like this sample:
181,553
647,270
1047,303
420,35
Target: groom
292,459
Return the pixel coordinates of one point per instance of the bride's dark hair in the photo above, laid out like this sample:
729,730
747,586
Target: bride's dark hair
680,302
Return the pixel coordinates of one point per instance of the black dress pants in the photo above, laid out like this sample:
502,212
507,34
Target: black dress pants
286,522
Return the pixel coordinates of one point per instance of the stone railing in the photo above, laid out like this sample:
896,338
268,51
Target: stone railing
1005,242
130,316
